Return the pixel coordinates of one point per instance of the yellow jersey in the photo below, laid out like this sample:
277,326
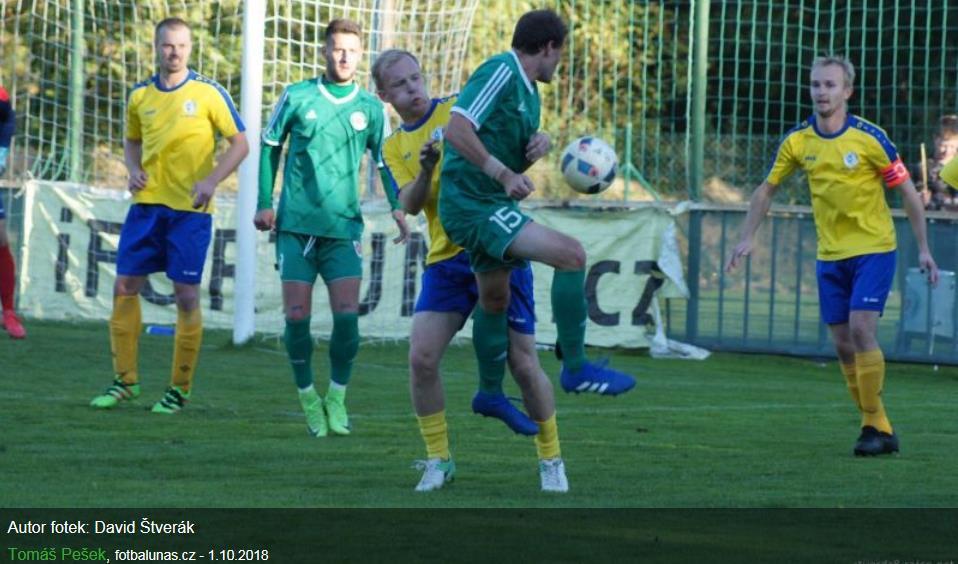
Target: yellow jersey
845,173
401,158
177,127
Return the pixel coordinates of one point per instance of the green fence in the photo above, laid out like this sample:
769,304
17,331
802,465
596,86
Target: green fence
694,95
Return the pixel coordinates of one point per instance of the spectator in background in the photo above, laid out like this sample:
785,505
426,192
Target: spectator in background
938,194
8,275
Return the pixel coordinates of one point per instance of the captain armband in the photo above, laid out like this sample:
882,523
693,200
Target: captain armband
895,173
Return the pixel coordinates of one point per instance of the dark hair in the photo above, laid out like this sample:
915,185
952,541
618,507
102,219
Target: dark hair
170,23
342,25
537,29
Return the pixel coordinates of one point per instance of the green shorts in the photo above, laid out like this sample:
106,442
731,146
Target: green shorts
484,229
299,258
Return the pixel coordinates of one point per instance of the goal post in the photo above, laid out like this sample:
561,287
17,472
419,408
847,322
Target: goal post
282,44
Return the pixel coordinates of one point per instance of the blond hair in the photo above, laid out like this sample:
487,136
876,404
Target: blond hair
386,59
838,60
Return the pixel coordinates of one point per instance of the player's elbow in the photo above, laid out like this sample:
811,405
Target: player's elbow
240,145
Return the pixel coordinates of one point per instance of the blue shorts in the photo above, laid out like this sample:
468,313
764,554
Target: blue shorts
856,283
450,286
156,238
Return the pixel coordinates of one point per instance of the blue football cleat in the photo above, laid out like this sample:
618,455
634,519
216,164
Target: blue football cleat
596,378
499,406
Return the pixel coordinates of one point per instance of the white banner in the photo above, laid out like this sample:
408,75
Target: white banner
71,234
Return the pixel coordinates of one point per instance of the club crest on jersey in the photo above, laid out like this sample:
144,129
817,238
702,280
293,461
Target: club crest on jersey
358,245
436,134
358,120
851,159
189,108
311,115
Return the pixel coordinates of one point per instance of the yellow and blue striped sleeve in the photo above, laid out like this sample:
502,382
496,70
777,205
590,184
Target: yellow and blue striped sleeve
223,112
883,154
133,129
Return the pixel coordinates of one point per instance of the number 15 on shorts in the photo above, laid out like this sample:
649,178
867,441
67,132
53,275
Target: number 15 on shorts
507,219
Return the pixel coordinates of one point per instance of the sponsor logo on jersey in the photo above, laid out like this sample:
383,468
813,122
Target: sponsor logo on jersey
436,134
522,107
358,245
189,108
851,159
358,120
310,115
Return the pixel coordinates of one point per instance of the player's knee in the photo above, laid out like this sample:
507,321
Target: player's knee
495,303
423,363
125,287
296,313
524,368
573,256
862,337
187,299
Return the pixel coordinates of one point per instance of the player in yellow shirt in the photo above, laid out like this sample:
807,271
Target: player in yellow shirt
413,158
846,160
172,122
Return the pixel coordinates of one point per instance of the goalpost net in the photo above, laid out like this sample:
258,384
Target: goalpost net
70,63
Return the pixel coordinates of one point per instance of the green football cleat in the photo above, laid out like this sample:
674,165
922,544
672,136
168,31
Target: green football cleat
116,393
336,412
313,408
173,401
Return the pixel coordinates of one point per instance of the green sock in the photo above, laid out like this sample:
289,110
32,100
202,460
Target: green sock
490,337
343,346
569,309
299,348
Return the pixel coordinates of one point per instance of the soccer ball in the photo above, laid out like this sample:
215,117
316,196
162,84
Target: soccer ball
589,165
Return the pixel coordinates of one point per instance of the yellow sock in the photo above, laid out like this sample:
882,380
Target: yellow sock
547,441
870,366
435,434
125,330
186,347
851,379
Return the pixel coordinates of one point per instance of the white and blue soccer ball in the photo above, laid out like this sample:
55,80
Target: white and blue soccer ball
589,165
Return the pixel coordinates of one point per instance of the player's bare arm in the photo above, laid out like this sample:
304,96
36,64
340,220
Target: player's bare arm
757,210
414,194
915,210
463,138
399,216
133,156
204,189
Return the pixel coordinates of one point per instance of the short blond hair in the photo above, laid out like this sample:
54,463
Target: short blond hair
838,60
387,59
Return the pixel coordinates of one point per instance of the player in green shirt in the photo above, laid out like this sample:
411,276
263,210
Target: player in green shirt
330,122
492,137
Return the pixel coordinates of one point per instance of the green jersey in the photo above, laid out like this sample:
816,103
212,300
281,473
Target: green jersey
328,136
503,106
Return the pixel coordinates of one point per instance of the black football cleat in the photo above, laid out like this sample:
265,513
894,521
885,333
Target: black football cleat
873,442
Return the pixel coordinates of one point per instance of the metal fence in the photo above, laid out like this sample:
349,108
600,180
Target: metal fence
771,303
694,94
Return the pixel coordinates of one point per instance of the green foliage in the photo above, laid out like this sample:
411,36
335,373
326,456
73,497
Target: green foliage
624,77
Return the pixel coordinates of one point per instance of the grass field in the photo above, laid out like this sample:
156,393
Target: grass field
732,431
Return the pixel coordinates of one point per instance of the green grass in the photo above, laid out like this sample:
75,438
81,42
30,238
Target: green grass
732,431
